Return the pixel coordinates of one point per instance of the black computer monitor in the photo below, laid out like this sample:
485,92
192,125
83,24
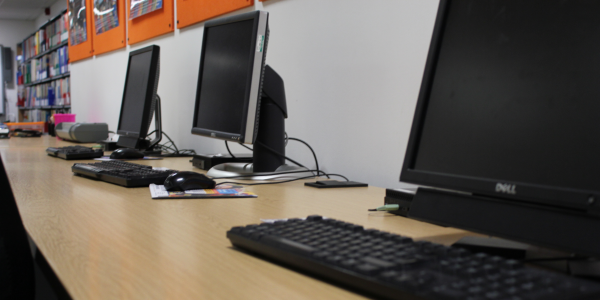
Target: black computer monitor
140,101
235,87
506,126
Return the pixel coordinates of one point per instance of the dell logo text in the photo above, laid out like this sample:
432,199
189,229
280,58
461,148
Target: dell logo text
506,188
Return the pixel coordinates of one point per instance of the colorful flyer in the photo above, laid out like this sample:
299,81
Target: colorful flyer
224,191
77,22
141,7
105,15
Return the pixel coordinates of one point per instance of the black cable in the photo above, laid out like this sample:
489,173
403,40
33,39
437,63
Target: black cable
333,174
280,155
172,143
170,146
309,147
227,146
246,147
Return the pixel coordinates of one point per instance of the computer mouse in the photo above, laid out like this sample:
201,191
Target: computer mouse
185,180
125,153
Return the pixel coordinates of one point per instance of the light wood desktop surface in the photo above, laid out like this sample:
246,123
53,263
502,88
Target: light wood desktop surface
109,242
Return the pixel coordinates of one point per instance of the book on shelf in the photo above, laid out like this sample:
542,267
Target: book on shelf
51,93
39,115
46,38
36,115
50,65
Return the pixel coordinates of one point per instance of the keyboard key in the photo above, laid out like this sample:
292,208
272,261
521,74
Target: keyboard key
378,262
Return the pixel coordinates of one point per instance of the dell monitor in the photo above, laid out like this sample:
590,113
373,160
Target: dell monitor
505,138
140,101
239,98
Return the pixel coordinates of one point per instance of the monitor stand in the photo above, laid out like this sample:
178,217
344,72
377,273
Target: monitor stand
559,261
245,171
141,143
268,161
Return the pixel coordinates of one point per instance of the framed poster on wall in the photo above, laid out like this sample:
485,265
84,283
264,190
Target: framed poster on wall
109,25
151,23
190,12
80,29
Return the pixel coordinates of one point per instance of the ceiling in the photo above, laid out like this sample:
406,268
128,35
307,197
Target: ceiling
23,9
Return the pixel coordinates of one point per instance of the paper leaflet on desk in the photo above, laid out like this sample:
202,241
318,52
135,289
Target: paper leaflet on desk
232,191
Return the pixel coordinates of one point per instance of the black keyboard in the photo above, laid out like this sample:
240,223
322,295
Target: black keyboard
75,152
387,265
122,173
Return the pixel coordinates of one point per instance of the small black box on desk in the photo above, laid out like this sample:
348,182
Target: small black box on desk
402,197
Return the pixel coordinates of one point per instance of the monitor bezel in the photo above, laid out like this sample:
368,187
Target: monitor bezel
252,95
561,197
151,91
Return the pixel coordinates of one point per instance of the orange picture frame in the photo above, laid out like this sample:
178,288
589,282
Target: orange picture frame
85,49
190,12
114,38
151,25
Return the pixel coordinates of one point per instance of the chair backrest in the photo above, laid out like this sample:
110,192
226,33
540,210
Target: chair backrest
17,279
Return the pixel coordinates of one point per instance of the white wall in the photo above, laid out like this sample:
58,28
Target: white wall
11,33
352,71
55,9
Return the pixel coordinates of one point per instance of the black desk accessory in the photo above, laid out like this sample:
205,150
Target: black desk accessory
402,197
327,184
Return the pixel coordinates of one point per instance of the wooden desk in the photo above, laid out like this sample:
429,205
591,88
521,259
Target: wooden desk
109,242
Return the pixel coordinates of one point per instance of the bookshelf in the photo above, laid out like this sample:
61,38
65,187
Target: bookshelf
43,77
